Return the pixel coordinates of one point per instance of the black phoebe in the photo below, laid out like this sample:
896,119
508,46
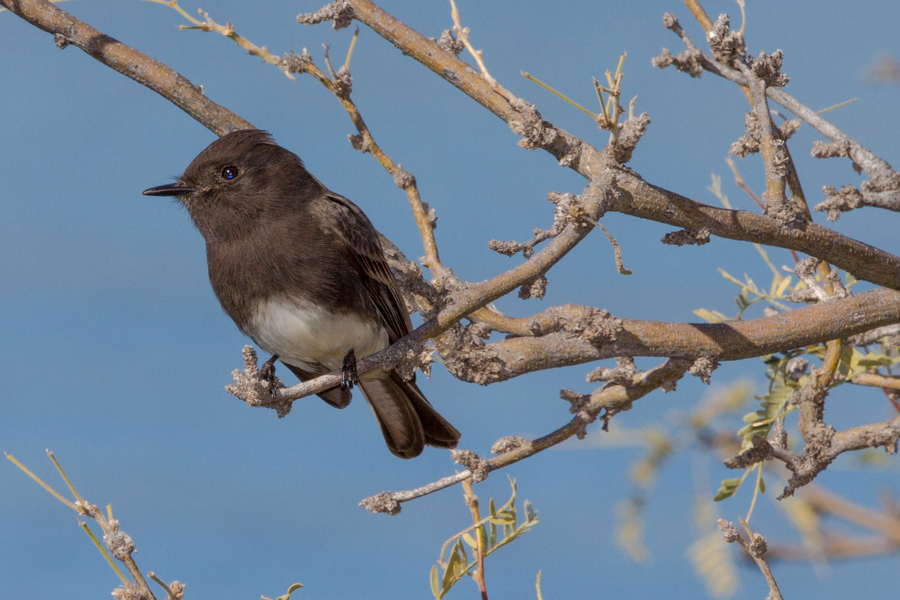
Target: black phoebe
301,272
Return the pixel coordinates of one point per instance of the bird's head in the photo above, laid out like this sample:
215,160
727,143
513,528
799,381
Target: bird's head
235,180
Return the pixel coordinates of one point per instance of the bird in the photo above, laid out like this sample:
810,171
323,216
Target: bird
301,271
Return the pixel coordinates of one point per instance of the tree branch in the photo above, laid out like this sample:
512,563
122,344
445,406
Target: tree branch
865,262
756,548
612,399
68,30
738,340
642,199
884,188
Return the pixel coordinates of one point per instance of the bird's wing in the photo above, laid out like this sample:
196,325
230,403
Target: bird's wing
359,242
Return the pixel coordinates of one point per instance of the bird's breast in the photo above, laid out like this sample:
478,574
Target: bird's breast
305,334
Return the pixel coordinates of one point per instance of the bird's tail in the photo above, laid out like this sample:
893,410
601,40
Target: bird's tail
407,420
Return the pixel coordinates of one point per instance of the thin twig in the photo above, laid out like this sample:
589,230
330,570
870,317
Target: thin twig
472,502
756,548
739,181
103,551
617,249
534,79
463,34
40,482
117,543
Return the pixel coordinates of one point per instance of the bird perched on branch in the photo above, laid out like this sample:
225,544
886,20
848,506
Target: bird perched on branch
301,272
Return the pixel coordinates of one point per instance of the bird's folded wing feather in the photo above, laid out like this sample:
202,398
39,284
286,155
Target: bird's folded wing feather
359,241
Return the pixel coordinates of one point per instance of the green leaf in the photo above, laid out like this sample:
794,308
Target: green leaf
729,487
750,284
706,315
512,496
779,291
746,432
450,571
290,591
728,277
457,565
762,485
871,361
510,538
849,364
435,584
756,415
504,518
462,553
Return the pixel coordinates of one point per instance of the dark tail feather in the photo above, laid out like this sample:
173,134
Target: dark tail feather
338,397
438,432
407,420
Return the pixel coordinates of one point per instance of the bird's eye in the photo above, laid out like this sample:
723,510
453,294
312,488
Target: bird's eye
229,173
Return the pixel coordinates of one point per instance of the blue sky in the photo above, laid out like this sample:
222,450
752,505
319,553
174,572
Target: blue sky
116,350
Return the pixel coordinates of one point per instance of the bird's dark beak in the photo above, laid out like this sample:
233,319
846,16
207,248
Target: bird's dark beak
172,189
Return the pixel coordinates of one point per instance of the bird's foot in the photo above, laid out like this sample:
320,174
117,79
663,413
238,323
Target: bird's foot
349,376
256,389
267,373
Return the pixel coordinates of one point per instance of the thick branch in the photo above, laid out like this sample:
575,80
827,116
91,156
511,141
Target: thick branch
863,261
724,341
556,337
872,435
126,60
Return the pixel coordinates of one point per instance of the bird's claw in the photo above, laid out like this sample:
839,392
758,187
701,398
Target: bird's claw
349,377
267,373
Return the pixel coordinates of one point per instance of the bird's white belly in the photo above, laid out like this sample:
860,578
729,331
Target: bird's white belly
303,334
